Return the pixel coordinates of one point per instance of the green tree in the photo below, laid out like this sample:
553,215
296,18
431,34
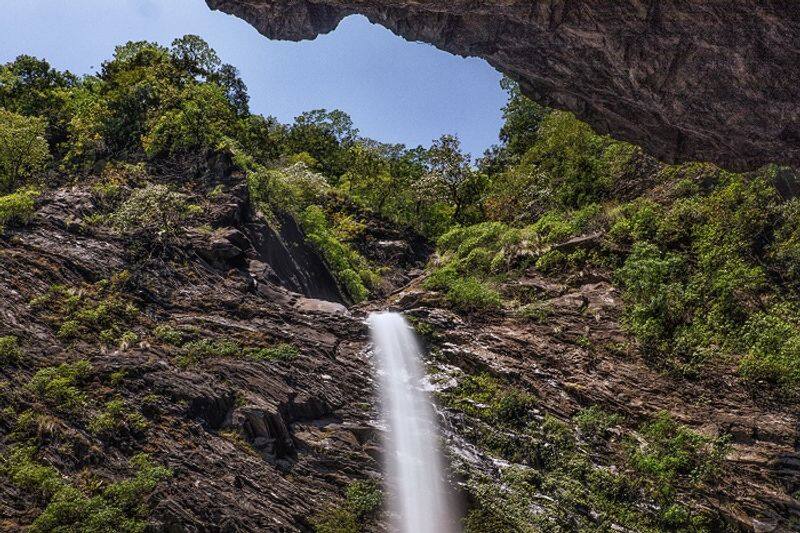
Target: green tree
522,118
200,121
23,149
451,179
326,136
194,55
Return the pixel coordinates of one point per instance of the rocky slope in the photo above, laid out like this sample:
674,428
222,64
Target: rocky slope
711,81
260,400
258,442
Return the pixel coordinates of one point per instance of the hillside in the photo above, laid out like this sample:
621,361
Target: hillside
614,342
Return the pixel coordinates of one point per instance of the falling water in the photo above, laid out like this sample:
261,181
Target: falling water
414,465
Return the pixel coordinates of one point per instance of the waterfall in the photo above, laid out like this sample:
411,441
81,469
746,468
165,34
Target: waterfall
418,495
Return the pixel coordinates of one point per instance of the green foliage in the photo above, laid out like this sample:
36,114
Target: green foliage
23,150
169,335
344,262
595,423
200,121
120,506
10,351
325,136
280,352
152,208
291,189
784,252
60,385
97,311
696,278
652,485
674,456
652,281
195,351
770,341
363,500
470,294
489,399
522,119
116,416
18,207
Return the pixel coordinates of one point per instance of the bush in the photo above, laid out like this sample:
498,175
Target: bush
195,351
23,150
653,288
595,423
97,311
114,417
153,208
119,507
771,344
675,456
17,208
363,500
344,262
279,352
470,295
169,335
10,352
59,385
491,400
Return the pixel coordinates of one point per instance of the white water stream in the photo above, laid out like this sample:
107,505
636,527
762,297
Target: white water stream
418,496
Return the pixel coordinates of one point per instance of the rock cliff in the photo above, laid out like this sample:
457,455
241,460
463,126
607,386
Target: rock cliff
712,81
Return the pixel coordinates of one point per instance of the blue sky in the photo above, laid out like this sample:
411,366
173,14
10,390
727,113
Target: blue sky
395,91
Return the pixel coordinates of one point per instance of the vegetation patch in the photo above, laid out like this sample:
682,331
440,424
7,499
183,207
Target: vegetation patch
59,385
120,506
615,485
17,207
116,417
99,311
363,501
10,350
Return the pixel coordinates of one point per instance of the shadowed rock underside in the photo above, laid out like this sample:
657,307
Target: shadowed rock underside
712,81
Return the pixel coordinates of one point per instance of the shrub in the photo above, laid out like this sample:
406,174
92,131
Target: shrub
116,416
673,455
487,398
469,295
10,352
17,208
280,352
169,335
595,423
59,385
92,311
23,149
653,288
771,344
195,351
344,262
362,500
119,507
152,208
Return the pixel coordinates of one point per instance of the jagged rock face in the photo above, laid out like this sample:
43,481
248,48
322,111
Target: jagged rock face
687,80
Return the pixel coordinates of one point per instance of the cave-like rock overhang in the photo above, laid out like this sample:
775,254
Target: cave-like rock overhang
710,80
